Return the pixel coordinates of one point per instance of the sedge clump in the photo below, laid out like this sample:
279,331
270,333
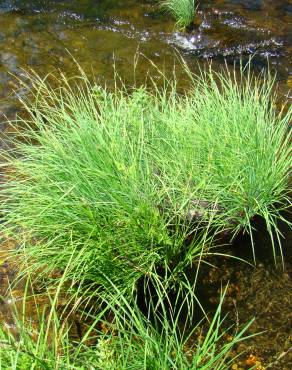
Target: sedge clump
120,180
183,11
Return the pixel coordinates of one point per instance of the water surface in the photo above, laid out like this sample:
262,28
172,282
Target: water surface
40,34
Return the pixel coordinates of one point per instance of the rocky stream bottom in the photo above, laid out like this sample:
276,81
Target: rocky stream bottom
263,292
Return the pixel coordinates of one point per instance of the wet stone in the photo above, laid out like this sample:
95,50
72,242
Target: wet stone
9,60
7,112
3,78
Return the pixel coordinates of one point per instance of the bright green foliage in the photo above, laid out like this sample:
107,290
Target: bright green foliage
85,183
37,339
119,180
182,10
168,340
133,341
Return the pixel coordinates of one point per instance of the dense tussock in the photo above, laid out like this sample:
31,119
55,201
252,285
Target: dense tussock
121,179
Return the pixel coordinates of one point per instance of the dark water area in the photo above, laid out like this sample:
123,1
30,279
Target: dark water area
46,35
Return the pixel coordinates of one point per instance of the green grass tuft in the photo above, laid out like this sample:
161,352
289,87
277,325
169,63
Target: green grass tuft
182,10
119,180
131,340
168,339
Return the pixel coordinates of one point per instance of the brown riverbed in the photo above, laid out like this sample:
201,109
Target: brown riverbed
46,35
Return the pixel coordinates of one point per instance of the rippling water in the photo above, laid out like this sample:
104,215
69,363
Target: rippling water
38,34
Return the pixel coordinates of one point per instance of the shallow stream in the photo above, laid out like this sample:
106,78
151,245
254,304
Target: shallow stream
46,35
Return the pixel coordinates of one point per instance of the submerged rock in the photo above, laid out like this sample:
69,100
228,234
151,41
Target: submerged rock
9,61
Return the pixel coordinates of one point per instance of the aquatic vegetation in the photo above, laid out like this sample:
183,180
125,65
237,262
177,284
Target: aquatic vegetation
120,180
130,340
169,339
36,337
182,10
85,184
